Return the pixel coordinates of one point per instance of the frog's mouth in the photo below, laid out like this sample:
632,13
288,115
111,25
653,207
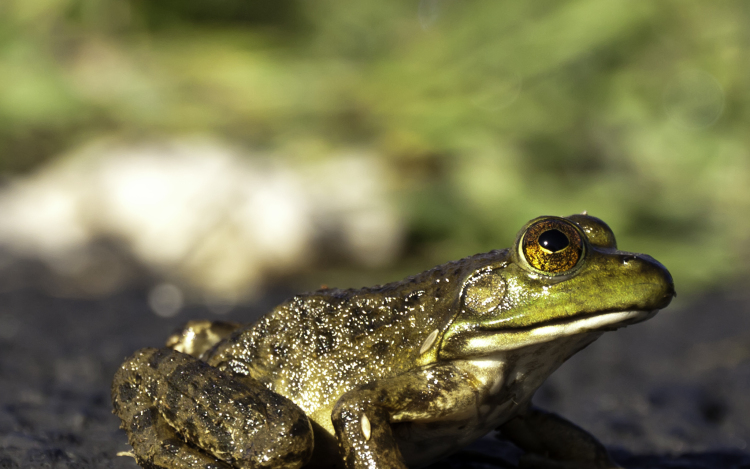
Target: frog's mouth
515,338
599,322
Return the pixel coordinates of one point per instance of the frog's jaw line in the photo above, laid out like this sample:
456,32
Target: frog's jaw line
511,340
593,323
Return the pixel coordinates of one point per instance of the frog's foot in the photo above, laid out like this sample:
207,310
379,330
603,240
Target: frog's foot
181,413
197,337
551,442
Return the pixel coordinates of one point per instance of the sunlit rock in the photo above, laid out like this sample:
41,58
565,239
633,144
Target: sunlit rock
200,213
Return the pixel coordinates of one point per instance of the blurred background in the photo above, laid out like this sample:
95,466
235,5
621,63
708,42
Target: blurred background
220,145
221,155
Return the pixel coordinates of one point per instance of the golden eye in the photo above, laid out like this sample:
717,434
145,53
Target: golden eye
552,246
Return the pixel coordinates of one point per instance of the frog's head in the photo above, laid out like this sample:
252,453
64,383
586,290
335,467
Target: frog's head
563,277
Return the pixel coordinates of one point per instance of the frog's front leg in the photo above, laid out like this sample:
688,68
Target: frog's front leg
181,413
362,417
552,442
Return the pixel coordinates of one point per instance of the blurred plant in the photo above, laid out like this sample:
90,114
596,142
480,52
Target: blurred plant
492,112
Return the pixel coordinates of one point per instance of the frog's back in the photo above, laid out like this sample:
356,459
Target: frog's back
316,346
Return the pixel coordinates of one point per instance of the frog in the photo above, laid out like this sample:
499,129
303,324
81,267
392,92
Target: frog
396,375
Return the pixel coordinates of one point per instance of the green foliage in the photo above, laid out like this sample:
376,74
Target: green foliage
490,112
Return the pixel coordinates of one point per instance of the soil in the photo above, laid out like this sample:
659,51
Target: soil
668,393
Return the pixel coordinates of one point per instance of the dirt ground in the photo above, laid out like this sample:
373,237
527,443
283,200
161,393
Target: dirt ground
668,393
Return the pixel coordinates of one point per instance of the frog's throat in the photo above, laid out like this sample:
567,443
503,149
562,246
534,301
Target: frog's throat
487,342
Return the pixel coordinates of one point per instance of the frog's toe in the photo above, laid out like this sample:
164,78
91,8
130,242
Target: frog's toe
166,398
197,337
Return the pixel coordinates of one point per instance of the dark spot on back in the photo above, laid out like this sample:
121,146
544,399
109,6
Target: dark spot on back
380,348
127,392
151,388
157,357
144,419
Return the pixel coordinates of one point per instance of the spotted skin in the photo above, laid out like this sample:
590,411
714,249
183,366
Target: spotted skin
393,376
317,346
171,398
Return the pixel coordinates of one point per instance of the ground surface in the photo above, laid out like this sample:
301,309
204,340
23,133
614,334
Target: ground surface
669,393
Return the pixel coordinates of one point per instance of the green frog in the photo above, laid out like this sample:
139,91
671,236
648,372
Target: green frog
397,375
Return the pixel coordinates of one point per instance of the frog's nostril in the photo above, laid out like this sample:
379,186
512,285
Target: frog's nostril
627,258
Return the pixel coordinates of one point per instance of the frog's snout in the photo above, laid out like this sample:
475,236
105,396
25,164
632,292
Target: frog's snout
655,274
668,294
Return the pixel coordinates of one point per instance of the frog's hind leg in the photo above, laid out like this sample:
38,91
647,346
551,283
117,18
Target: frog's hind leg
181,413
156,445
197,337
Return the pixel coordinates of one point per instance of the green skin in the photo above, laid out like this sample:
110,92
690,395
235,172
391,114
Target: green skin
392,376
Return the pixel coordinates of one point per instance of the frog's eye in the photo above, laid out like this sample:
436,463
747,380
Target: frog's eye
552,246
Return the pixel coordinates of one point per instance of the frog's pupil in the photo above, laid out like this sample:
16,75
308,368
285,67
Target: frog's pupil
553,240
